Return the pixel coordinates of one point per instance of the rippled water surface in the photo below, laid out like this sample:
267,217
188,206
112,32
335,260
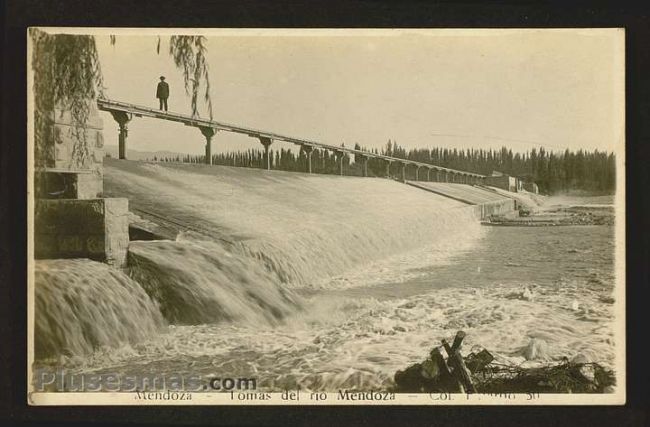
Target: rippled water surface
357,336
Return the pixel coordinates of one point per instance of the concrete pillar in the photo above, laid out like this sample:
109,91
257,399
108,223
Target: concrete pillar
122,118
94,228
417,172
266,142
339,159
208,133
308,149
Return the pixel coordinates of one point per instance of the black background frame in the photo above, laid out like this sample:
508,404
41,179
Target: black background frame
18,15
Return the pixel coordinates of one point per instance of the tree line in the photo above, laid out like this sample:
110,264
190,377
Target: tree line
593,171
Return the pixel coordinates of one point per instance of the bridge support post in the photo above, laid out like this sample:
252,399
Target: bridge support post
266,142
428,174
122,118
364,163
388,162
208,133
403,171
308,150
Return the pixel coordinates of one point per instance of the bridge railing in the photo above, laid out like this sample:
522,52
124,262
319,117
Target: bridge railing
123,112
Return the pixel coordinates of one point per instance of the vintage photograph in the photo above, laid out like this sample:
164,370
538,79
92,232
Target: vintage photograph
326,216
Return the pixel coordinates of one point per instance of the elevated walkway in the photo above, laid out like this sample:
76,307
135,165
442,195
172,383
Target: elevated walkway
123,112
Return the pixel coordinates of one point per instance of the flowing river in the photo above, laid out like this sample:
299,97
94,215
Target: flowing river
318,282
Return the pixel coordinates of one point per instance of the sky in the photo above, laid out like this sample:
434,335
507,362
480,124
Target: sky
524,89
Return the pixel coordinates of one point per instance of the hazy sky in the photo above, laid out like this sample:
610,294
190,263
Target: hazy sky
519,88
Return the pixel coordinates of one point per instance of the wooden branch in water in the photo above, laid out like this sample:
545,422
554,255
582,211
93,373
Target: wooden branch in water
455,360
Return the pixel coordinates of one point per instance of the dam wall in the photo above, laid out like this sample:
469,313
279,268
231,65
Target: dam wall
248,245
500,207
305,227
485,203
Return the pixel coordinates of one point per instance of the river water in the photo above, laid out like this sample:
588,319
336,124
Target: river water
300,313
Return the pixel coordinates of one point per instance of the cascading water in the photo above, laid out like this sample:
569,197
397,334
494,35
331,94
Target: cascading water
198,281
304,228
318,281
277,232
81,305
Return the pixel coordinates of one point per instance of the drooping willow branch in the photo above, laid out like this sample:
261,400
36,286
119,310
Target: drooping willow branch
189,54
67,75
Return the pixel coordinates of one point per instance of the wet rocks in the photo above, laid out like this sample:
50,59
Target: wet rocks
579,375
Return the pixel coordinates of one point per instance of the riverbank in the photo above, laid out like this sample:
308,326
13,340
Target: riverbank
562,211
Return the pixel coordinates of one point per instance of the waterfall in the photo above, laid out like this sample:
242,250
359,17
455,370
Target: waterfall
81,305
277,233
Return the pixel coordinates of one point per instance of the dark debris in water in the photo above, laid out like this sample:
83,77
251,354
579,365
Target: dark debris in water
478,372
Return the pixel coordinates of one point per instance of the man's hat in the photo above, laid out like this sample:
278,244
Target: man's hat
162,77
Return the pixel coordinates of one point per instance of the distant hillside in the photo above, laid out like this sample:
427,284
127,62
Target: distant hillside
112,151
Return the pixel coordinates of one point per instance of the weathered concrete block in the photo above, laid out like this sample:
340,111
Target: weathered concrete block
63,184
95,228
90,185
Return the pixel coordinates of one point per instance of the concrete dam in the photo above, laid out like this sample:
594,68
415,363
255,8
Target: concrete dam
245,246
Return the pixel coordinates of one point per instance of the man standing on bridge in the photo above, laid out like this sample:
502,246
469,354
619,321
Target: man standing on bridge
162,92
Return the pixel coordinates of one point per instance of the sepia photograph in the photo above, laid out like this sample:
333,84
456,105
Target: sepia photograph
326,216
